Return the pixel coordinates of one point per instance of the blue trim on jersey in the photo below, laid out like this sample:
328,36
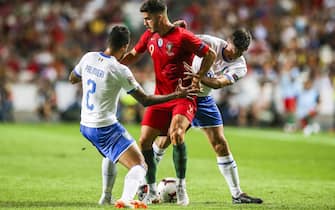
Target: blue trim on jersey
202,46
208,114
76,73
111,141
230,78
132,90
104,55
224,57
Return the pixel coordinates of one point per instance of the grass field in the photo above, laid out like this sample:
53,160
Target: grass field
51,166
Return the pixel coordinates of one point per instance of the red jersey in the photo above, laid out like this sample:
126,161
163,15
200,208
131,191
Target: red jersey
168,53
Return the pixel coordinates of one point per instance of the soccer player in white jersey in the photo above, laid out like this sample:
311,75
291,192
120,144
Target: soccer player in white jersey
102,78
229,66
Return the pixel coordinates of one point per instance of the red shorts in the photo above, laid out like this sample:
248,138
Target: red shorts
159,116
290,104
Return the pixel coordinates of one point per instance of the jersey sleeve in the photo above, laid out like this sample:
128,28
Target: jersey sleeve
236,71
141,45
215,43
128,81
194,44
78,69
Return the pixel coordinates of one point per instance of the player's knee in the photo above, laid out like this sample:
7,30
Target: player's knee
220,147
177,135
144,143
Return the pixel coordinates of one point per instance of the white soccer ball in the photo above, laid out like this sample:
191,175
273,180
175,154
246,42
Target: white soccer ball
167,190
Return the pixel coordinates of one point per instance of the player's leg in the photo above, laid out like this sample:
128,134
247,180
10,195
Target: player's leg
108,172
227,165
178,127
225,160
115,143
134,161
159,146
155,122
148,134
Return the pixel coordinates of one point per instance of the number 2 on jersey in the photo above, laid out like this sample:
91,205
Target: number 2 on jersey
90,91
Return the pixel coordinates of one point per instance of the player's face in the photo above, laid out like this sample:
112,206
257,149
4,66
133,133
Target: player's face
151,21
232,52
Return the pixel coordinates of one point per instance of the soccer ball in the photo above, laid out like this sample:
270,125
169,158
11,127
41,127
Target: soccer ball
167,190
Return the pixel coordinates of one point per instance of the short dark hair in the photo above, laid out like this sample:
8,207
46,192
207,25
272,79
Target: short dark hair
118,37
153,6
241,39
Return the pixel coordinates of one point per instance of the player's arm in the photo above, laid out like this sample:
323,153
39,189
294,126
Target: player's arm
216,83
75,75
147,100
206,63
180,23
131,57
74,78
134,55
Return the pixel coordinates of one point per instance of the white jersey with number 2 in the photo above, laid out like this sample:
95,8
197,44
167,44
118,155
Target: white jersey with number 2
102,79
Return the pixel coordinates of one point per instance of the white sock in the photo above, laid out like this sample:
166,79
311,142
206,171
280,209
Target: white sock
228,169
132,181
158,152
153,187
181,182
108,171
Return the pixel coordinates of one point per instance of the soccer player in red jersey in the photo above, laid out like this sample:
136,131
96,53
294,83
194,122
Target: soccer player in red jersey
169,46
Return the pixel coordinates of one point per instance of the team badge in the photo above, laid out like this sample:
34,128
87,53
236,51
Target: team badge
160,42
169,47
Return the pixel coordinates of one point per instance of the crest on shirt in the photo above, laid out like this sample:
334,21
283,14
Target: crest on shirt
160,42
169,47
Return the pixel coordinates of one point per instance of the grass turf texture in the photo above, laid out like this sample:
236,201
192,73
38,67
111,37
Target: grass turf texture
51,166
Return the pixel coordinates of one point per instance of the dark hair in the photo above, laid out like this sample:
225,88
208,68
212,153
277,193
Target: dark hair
118,37
153,6
241,39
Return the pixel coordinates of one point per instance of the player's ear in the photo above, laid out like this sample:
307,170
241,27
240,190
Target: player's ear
160,17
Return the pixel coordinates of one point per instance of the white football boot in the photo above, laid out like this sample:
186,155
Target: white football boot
182,197
106,199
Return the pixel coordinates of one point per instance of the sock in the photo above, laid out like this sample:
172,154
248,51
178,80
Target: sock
131,182
228,169
153,188
181,182
108,171
158,152
180,160
152,168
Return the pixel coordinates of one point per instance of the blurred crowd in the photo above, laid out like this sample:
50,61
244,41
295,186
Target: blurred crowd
291,65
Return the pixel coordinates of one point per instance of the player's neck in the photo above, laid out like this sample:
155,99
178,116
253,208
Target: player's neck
166,27
110,52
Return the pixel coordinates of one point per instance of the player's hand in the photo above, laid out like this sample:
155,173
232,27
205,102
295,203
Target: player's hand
191,75
189,72
186,92
180,23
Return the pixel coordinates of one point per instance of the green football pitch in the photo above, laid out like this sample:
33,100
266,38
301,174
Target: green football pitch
51,166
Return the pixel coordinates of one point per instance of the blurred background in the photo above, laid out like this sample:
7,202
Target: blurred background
291,65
